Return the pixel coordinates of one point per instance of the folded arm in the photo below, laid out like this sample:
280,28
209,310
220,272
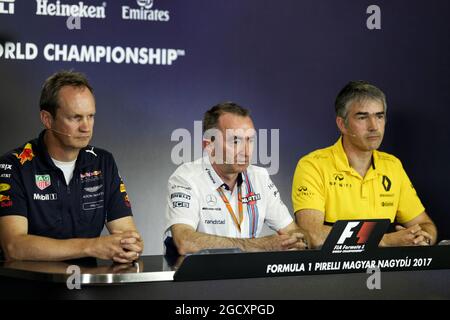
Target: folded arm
17,244
188,240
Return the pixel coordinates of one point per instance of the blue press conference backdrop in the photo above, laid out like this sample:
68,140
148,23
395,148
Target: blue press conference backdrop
285,60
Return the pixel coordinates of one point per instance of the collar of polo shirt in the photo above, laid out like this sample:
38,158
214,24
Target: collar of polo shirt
216,181
342,164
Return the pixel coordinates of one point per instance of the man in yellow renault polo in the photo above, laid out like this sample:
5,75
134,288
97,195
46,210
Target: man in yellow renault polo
353,180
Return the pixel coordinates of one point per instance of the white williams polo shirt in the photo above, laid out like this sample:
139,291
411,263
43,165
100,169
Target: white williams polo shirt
193,199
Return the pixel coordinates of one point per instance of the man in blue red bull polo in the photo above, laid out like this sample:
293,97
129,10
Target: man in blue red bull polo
57,192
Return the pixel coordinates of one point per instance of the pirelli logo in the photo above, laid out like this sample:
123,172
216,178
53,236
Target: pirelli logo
180,195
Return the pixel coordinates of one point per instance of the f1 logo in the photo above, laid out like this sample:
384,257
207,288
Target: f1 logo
363,234
347,233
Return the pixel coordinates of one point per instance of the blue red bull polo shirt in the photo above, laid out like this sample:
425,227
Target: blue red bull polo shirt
33,187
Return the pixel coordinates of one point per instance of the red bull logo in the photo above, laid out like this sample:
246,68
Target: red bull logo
26,155
4,198
5,201
90,174
127,201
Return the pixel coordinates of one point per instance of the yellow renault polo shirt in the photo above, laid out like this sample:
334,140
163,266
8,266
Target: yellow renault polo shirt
324,181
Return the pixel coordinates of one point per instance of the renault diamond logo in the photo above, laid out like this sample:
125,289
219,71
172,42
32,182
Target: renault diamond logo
386,183
338,176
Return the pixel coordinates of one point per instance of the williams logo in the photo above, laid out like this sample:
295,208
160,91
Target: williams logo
7,6
210,176
353,240
386,183
145,12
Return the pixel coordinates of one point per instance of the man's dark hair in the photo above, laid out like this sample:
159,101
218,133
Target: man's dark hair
211,117
49,100
357,91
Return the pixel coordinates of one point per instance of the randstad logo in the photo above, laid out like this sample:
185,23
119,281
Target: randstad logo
145,12
81,10
7,6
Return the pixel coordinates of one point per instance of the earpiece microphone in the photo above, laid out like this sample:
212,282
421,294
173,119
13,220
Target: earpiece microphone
61,133
350,133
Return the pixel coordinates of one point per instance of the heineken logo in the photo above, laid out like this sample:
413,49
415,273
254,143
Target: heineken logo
43,181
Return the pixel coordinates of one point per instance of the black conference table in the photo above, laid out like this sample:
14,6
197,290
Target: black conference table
235,276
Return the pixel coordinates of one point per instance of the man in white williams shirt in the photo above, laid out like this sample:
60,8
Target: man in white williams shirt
220,200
